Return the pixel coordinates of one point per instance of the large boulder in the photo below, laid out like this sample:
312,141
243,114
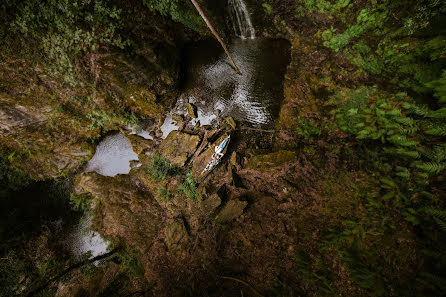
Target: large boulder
232,210
123,210
178,147
177,238
140,144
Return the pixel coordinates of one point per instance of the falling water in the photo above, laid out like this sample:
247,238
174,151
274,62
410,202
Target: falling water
241,20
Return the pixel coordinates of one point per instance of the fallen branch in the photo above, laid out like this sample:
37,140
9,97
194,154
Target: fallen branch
69,269
198,8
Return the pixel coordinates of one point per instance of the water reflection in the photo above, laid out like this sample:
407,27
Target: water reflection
212,84
113,156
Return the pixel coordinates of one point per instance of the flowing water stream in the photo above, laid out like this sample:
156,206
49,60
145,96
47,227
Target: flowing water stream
241,19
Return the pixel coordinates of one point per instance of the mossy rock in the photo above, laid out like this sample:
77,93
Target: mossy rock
192,110
232,210
140,144
178,147
177,238
271,160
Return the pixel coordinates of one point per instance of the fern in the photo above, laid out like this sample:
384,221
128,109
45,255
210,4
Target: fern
441,223
437,213
436,131
432,168
439,87
437,153
405,121
189,187
432,281
403,172
417,109
401,140
438,114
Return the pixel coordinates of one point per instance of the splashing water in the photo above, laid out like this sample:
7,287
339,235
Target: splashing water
241,19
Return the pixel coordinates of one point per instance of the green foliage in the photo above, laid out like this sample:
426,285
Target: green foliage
81,202
12,269
438,215
408,154
308,129
189,187
325,6
11,179
403,60
164,193
179,11
102,118
366,20
130,261
64,29
267,8
439,87
426,12
161,168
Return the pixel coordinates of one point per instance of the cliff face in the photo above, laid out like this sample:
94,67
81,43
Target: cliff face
50,122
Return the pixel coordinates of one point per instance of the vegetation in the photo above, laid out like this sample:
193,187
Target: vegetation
179,11
12,269
189,187
11,179
372,130
81,202
164,193
65,29
398,129
161,168
130,261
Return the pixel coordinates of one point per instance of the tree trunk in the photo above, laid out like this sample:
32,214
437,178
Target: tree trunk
215,34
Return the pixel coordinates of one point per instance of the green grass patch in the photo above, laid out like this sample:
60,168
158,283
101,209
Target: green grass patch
161,168
189,187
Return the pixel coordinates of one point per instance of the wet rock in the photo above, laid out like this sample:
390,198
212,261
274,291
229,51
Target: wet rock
176,117
233,209
176,234
134,163
192,110
231,122
178,147
140,144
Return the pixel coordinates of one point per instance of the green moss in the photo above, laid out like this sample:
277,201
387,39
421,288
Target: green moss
164,194
271,160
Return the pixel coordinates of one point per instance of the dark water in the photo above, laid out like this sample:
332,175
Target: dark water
253,97
45,207
23,212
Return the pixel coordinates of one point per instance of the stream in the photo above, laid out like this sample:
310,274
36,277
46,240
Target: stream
252,98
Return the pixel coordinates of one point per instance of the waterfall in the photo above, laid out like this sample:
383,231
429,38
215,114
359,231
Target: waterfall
240,19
